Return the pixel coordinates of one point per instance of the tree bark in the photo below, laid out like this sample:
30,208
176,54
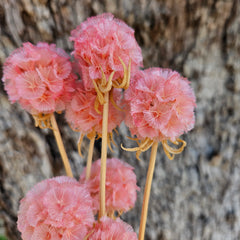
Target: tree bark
197,195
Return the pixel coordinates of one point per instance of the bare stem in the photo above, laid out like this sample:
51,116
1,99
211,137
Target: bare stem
147,191
61,146
104,154
89,160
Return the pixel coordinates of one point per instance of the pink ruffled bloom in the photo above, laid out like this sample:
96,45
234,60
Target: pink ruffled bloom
99,42
160,105
109,229
82,116
39,78
121,188
57,208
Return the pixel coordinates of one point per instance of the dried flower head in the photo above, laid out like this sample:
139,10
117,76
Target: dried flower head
160,106
57,208
81,112
39,78
104,44
109,229
121,188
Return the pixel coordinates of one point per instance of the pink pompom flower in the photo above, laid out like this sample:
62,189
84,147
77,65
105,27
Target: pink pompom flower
109,229
57,208
104,44
39,77
160,106
81,112
121,188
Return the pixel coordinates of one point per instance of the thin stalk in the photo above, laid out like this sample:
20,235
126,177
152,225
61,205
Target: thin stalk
147,191
60,146
104,154
89,160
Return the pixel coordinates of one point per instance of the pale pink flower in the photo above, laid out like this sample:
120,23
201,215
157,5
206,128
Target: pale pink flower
57,208
121,188
159,105
82,115
99,42
39,77
109,229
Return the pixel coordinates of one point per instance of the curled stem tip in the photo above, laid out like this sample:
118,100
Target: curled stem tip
90,136
170,151
105,85
102,86
42,120
123,82
143,146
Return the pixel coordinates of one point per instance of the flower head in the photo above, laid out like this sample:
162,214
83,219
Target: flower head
160,104
121,188
109,229
57,208
39,78
105,44
81,112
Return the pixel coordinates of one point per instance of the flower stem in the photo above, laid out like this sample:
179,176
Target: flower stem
89,160
61,146
104,154
147,191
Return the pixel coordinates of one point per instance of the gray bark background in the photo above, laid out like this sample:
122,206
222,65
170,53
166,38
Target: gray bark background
196,196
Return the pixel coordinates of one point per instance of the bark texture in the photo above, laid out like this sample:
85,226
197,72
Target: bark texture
196,196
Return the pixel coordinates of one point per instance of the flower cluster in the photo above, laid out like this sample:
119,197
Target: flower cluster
57,208
121,188
63,208
39,77
158,106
